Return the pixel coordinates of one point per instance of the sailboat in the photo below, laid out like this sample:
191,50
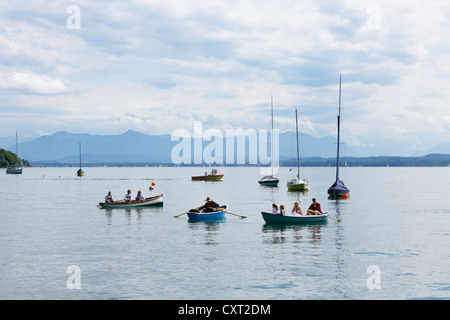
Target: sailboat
297,184
15,168
270,180
338,189
80,172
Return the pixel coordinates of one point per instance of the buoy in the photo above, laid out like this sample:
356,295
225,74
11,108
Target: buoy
345,196
153,183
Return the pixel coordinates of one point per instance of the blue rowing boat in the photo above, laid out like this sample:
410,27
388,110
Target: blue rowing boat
207,216
276,218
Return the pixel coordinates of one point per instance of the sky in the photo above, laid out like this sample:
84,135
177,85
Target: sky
105,67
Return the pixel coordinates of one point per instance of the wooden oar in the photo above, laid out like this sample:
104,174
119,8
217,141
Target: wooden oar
180,214
234,214
338,220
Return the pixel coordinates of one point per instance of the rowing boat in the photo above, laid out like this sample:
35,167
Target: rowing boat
200,215
152,201
211,177
276,218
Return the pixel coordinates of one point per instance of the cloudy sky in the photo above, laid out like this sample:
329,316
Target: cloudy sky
104,67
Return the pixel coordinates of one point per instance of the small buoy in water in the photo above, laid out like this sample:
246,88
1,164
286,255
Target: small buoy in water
345,196
153,183
43,176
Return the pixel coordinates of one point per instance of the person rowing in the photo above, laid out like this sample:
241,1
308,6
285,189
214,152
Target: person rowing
314,209
127,197
209,206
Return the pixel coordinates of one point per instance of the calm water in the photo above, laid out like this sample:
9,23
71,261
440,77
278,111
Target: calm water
397,219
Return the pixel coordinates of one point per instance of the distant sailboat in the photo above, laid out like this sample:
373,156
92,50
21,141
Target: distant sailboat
338,189
15,168
297,184
270,180
80,172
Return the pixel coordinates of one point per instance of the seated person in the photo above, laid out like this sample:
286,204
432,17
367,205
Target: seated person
109,198
314,209
296,209
139,196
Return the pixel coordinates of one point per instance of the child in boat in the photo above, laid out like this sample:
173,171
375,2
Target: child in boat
282,212
274,209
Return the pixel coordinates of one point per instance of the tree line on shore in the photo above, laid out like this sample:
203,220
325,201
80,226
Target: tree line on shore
8,158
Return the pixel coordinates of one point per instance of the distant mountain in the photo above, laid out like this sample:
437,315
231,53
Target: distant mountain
439,149
132,146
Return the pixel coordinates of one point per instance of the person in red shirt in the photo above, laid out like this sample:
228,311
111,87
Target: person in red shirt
314,208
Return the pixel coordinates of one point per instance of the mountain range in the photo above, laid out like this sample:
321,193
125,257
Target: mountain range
132,146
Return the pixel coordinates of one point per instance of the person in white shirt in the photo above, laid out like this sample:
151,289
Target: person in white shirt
274,209
109,198
128,196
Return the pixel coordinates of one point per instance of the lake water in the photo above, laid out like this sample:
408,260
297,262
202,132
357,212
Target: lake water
393,241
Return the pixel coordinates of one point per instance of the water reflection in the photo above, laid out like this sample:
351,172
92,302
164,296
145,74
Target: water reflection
209,236
298,233
341,276
129,213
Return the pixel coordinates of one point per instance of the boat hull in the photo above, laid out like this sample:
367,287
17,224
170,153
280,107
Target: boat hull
207,216
216,177
148,202
338,190
297,185
269,181
274,218
14,171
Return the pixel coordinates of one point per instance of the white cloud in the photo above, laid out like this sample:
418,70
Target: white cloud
156,66
28,82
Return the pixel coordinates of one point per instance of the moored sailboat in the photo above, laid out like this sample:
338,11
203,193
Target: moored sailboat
270,181
297,184
15,168
80,171
338,189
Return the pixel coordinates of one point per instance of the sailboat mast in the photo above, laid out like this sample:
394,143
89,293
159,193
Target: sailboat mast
339,129
17,150
271,140
298,154
80,153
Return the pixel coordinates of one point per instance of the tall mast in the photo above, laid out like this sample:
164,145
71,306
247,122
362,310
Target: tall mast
271,140
80,153
17,149
339,129
298,155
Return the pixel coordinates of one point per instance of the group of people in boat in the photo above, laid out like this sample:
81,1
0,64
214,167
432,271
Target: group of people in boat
213,172
128,198
313,210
